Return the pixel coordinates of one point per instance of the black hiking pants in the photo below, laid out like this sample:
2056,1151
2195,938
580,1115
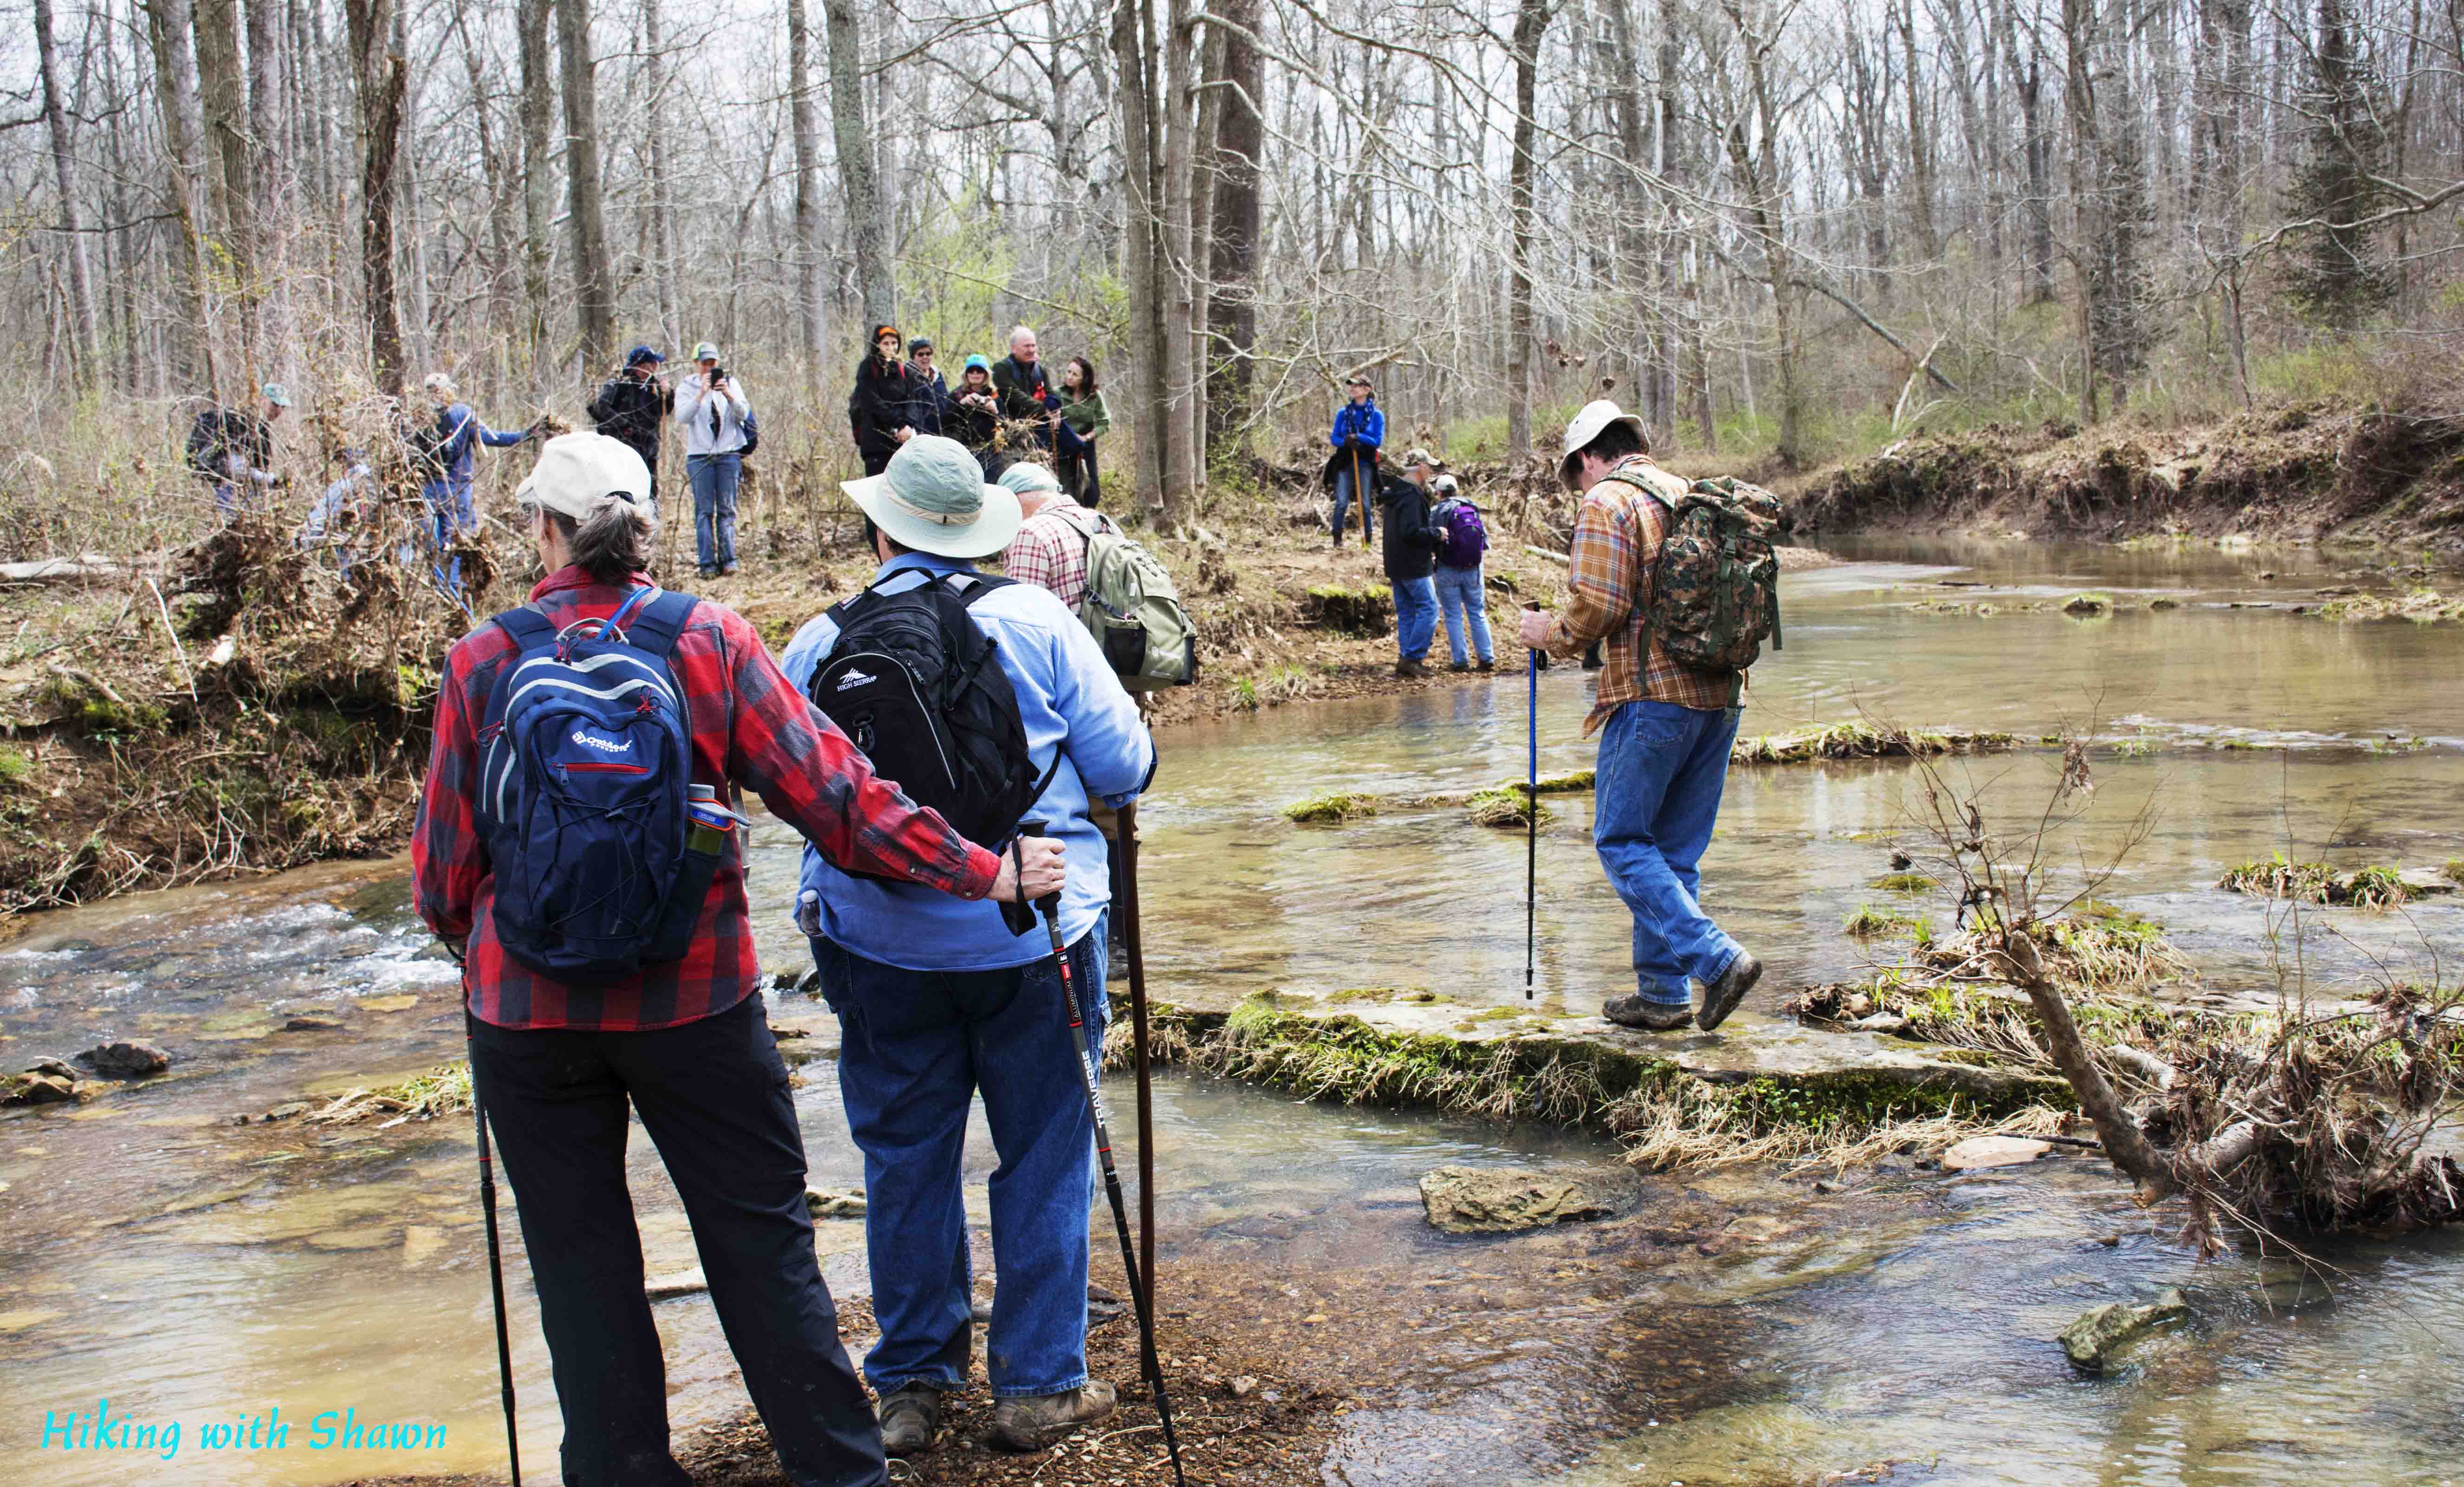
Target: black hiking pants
712,1094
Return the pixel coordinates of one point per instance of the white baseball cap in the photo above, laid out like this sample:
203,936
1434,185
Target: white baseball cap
1589,425
1027,475
579,473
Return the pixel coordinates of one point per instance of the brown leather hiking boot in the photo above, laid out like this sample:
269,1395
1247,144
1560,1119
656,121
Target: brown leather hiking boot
911,1419
1033,1423
1721,997
1631,1011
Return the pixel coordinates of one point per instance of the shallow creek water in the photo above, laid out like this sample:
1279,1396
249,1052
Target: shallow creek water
185,1269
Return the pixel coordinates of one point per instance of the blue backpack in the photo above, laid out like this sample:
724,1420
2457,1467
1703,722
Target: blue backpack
585,757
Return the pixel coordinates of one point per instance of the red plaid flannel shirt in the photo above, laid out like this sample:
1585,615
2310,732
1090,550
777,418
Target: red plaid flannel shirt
750,727
1050,550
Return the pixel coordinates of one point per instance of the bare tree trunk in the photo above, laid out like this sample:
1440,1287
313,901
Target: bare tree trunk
876,285
56,119
266,111
1133,55
1530,27
593,284
222,89
810,271
2035,147
663,206
531,21
1182,476
381,82
1240,141
175,72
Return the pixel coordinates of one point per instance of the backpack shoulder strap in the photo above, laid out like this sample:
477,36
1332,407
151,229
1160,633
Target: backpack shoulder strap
527,626
982,584
661,623
1625,476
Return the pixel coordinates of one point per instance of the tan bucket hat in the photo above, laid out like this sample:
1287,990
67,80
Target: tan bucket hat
933,498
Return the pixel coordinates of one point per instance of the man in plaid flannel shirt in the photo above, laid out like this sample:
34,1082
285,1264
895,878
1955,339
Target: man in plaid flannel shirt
1664,731
1050,548
685,1044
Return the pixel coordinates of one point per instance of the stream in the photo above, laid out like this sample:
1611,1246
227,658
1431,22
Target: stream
154,1255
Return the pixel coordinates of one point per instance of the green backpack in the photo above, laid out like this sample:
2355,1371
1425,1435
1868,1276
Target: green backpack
1133,608
1715,593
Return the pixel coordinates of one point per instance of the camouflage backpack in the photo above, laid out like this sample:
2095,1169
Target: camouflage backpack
1715,593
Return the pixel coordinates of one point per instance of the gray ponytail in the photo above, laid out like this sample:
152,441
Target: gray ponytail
613,546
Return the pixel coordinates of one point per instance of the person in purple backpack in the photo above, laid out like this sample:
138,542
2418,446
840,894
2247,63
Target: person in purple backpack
1462,542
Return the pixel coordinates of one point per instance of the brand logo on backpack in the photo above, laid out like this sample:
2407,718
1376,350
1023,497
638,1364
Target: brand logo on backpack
594,878
852,677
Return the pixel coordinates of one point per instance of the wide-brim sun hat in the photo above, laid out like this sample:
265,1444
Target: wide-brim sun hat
578,474
1589,424
278,394
933,498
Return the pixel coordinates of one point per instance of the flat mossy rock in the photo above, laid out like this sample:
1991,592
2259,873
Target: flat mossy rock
1478,1200
1368,611
2090,1341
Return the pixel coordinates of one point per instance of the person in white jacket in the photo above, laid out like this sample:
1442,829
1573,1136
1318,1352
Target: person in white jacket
712,411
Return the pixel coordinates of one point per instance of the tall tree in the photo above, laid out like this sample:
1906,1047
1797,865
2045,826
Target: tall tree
222,90
594,282
56,119
1531,28
662,203
811,280
1234,217
175,93
531,23
1143,248
381,82
852,133
2337,274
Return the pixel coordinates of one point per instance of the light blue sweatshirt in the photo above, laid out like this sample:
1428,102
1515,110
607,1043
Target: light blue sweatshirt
1072,704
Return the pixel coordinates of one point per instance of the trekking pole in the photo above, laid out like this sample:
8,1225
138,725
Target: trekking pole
1361,497
1531,819
1128,827
495,1262
1149,1361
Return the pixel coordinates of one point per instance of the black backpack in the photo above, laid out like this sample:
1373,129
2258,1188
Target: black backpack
919,687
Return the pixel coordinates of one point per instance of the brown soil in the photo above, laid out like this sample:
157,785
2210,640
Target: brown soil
2299,473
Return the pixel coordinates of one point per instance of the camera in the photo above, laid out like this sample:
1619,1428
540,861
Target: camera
717,375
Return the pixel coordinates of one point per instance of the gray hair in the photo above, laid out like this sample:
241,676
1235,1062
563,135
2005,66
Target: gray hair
611,546
1015,331
438,382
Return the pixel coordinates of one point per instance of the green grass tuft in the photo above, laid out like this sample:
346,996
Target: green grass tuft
1331,809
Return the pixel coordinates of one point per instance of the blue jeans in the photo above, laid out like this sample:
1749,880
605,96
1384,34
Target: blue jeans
915,1049
1343,494
713,477
1415,615
1662,767
450,515
1466,603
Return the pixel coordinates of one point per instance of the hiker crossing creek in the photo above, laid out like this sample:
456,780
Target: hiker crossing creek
1909,1313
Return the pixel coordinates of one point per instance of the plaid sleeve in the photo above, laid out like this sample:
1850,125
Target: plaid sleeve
448,858
1035,556
1602,575
810,776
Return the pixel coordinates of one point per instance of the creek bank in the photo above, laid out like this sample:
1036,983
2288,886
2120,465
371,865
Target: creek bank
2311,473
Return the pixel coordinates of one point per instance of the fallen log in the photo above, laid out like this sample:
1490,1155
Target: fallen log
83,569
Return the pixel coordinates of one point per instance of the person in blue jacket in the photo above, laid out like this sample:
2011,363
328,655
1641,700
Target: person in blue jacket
1351,470
938,1001
443,453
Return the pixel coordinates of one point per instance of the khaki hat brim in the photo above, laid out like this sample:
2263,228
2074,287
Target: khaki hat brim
994,528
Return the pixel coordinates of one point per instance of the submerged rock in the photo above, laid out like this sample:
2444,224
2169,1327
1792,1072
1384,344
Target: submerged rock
126,1060
1474,1200
37,1089
2090,1341
826,1203
1978,1152
310,1024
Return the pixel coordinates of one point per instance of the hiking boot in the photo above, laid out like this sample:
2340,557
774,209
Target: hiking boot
1485,664
729,570
1459,666
1410,671
1336,540
1631,1011
1721,997
1036,1422
911,1418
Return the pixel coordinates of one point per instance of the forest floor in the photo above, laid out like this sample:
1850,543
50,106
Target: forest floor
241,705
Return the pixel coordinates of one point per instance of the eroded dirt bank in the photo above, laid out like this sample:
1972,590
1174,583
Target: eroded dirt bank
2309,474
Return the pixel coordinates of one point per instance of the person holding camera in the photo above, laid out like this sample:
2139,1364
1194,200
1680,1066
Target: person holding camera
231,449
711,407
973,418
632,407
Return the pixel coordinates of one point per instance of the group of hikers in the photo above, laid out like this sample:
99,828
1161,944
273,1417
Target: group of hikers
1000,412
1435,542
955,748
